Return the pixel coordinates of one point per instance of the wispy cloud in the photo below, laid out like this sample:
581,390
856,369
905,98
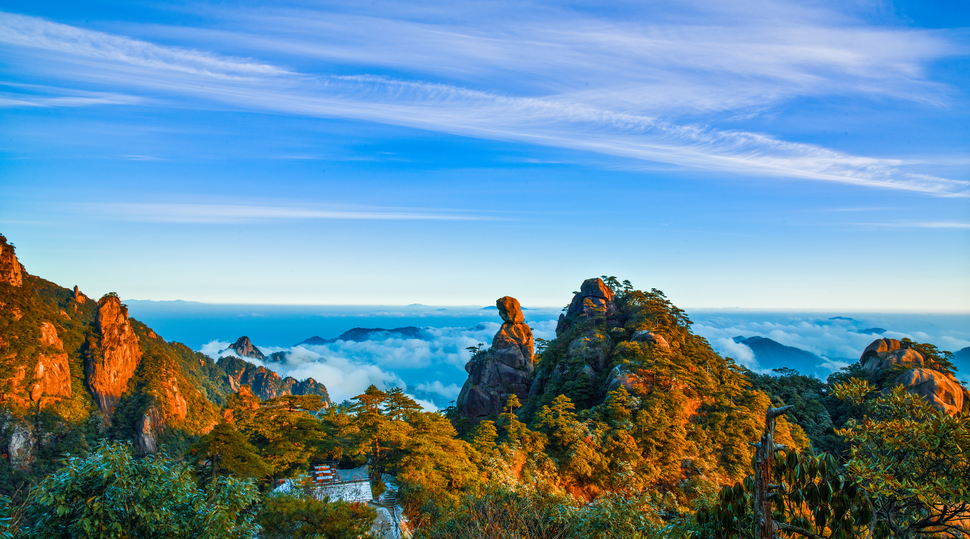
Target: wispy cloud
636,91
910,224
242,213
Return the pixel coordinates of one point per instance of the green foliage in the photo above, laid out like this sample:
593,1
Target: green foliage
226,451
110,494
300,516
911,459
815,500
285,431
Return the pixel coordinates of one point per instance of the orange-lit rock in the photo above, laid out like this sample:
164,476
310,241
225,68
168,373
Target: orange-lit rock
505,369
936,388
11,272
108,375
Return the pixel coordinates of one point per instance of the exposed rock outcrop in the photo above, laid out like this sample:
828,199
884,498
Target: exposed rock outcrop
938,389
20,449
52,374
593,299
11,272
503,370
108,375
651,338
265,383
884,354
935,387
149,428
245,348
78,296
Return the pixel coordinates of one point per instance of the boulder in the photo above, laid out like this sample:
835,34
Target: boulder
884,354
11,272
108,376
510,310
939,390
594,299
593,347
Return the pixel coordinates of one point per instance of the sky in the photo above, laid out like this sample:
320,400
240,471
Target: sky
754,154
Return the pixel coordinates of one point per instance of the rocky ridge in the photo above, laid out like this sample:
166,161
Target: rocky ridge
265,383
88,363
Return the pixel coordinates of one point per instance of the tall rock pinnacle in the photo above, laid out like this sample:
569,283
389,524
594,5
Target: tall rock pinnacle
503,370
120,354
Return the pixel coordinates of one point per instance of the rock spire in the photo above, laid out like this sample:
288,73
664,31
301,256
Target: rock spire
503,370
108,375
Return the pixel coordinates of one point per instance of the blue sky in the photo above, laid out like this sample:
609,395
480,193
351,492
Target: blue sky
753,154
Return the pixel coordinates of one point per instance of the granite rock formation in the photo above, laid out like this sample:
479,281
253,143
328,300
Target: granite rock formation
245,348
593,299
148,429
52,374
108,375
11,272
884,354
935,387
502,370
941,391
265,383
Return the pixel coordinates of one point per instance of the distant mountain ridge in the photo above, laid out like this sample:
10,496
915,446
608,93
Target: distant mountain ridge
366,334
771,354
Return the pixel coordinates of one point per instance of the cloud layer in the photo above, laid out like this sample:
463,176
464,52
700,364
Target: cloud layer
647,91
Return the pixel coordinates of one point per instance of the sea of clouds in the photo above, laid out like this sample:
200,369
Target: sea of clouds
430,366
837,339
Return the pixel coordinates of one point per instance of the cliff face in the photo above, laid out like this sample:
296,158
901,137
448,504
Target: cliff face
52,374
10,269
505,369
265,383
108,375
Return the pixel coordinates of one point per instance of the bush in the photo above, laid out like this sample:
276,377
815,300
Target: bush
110,494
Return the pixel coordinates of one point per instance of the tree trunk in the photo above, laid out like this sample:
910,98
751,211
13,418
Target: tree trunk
764,527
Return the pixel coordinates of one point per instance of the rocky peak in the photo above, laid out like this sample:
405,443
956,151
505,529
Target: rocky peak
503,370
78,296
514,333
593,299
11,272
245,348
120,354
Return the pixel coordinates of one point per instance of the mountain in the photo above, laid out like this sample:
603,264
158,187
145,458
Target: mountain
772,354
265,383
367,334
245,348
76,369
872,331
